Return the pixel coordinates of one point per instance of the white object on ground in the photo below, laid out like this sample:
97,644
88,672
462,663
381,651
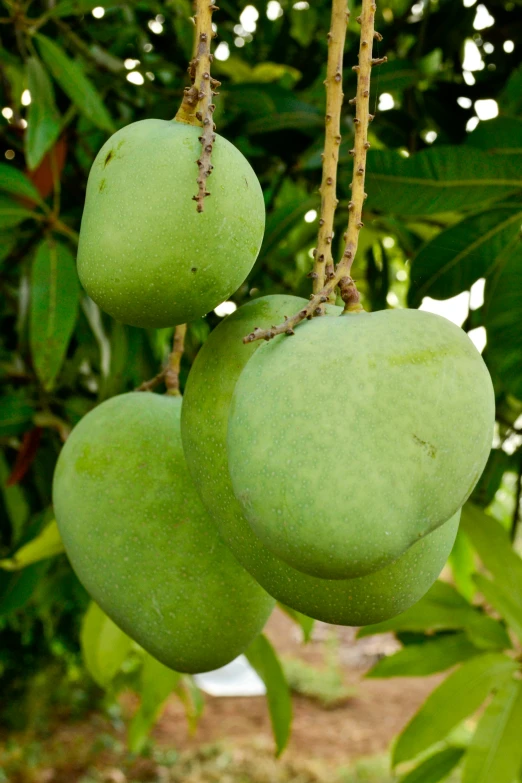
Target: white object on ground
237,678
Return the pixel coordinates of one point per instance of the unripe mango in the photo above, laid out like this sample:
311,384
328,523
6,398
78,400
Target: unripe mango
208,394
141,542
146,256
357,437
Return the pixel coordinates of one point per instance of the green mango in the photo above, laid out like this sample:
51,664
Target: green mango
146,256
143,545
359,436
208,394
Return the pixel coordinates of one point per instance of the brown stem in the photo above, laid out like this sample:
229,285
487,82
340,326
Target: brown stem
323,260
169,375
172,371
342,276
518,498
197,107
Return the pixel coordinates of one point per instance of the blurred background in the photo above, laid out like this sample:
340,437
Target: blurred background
442,232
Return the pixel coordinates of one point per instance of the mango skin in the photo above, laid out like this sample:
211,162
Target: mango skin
142,543
340,495
204,422
146,256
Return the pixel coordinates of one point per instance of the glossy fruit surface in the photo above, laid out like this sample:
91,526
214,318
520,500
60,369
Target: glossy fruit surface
142,543
146,256
206,406
340,496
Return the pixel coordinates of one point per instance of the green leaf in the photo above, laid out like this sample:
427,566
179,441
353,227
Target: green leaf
104,645
15,182
303,24
511,95
503,319
282,220
435,768
460,695
79,7
494,548
441,608
263,659
398,75
420,660
7,244
16,413
495,753
15,503
305,623
12,213
462,562
498,463
157,683
192,699
43,119
74,83
47,544
17,588
509,605
438,179
460,255
502,136
55,294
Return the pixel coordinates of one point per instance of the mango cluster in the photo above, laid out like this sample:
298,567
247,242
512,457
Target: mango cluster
326,470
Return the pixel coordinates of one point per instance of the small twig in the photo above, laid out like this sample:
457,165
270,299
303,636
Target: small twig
172,370
169,375
197,107
342,277
147,386
323,260
518,498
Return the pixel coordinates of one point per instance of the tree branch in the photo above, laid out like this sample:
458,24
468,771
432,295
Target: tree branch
169,375
323,260
197,107
172,371
341,277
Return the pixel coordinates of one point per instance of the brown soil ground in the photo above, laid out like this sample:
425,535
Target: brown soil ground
363,726
326,739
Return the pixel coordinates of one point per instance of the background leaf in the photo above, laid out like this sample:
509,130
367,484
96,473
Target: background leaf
15,502
16,413
435,768
263,659
460,255
15,182
104,645
438,180
74,83
503,318
495,753
460,695
421,660
54,307
47,544
12,213
43,119
157,683
305,623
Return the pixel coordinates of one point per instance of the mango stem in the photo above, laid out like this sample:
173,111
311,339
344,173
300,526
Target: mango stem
355,206
197,107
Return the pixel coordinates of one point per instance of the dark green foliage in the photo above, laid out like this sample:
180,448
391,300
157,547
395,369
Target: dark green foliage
457,222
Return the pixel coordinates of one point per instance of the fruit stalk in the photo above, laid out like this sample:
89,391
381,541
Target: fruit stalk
172,370
323,260
197,107
170,373
341,277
